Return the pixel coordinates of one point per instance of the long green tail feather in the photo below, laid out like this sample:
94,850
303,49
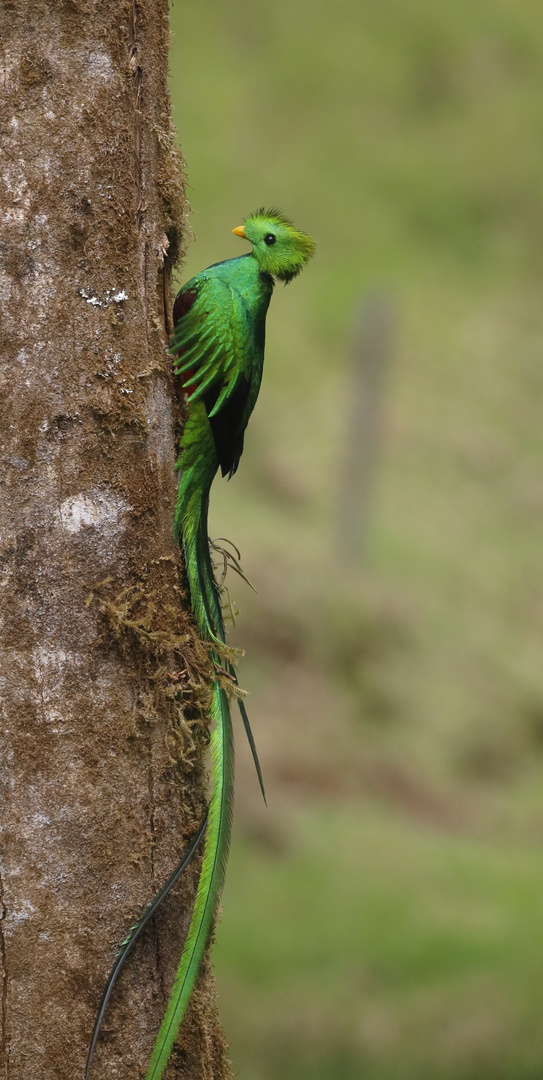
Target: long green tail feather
134,934
198,469
251,741
211,881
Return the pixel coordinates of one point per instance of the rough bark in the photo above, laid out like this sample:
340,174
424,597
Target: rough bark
102,679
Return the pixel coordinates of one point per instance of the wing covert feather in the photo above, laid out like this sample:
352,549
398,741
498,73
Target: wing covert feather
211,339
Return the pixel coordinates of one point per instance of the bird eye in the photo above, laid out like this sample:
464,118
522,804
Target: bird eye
270,239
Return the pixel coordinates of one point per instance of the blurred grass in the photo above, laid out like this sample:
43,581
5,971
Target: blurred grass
421,956
391,927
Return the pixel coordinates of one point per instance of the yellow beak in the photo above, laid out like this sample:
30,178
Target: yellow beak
240,231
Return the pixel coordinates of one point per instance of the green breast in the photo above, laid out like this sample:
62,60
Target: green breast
253,291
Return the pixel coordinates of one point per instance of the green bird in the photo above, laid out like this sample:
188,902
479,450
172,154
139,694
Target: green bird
218,343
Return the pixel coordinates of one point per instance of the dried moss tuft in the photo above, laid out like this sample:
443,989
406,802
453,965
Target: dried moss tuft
156,637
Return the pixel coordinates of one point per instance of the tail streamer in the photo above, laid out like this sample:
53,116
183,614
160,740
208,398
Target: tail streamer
191,530
134,934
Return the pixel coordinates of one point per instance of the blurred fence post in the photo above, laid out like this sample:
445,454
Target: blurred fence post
372,351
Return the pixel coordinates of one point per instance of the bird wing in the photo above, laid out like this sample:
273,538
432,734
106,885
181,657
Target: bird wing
210,339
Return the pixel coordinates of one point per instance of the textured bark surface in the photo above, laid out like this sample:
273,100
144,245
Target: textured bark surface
102,742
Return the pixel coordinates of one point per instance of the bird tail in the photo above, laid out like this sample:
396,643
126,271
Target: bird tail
211,880
135,932
198,464
198,468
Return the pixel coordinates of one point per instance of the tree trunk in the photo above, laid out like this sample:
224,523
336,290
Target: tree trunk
102,680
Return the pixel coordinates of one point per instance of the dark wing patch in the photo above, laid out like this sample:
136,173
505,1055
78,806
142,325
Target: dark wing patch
183,303
227,425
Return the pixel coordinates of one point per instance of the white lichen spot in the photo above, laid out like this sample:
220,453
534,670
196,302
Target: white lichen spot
98,509
90,299
14,213
15,182
111,368
17,915
100,65
111,297
49,660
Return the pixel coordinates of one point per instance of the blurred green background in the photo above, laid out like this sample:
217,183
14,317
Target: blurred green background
383,919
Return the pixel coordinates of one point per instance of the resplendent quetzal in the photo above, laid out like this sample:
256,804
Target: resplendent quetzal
218,344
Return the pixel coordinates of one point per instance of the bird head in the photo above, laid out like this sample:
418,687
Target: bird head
279,248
